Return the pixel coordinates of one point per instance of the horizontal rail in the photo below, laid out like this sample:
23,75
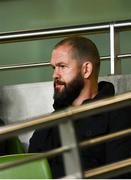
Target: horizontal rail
58,151
37,34
98,172
21,66
35,156
122,24
9,37
127,55
110,170
124,55
105,138
105,171
46,64
75,112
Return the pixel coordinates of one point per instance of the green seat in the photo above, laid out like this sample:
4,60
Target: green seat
14,146
38,169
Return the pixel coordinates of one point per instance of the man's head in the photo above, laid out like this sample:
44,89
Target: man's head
75,60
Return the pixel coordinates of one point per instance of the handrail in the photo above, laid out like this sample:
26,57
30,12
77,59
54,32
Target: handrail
83,144
71,113
104,171
25,65
7,37
105,138
75,112
100,172
106,104
10,37
46,64
36,156
109,170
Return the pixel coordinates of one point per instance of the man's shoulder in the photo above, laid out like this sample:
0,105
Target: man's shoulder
45,131
2,122
44,139
121,117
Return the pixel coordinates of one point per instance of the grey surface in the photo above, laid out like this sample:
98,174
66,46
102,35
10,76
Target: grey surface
25,101
122,83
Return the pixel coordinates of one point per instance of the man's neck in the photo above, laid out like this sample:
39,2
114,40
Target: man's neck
86,93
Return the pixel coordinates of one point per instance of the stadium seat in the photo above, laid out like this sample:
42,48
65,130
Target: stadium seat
14,146
38,169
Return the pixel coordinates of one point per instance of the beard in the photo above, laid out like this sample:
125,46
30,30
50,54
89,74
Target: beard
70,92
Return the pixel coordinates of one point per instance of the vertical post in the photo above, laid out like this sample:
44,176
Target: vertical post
115,65
112,50
72,161
117,52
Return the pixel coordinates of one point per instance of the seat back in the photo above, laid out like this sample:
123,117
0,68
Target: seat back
38,169
14,146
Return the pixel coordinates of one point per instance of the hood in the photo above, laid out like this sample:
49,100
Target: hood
105,89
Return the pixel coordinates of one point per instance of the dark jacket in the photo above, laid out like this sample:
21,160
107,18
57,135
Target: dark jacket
93,126
2,142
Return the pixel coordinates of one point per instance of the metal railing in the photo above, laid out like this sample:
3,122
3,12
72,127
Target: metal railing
64,118
113,28
75,112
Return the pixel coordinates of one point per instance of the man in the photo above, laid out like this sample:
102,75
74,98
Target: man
76,65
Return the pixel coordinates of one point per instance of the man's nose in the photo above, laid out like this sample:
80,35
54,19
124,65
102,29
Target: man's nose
56,73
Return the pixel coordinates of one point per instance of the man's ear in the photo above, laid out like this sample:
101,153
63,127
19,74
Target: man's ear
87,69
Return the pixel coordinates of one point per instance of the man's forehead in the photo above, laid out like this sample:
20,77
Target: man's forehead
61,53
63,48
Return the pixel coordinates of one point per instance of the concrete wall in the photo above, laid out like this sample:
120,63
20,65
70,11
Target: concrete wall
122,83
26,101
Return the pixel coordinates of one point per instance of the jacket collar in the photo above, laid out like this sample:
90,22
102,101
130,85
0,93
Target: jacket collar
105,89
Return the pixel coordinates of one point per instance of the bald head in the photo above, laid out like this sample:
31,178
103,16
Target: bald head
83,49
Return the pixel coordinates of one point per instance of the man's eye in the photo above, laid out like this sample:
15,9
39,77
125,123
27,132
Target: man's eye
62,66
53,67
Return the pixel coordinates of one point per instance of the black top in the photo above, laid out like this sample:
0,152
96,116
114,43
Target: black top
2,142
93,126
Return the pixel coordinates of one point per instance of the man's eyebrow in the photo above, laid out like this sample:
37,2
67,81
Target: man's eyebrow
59,63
